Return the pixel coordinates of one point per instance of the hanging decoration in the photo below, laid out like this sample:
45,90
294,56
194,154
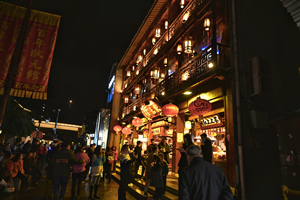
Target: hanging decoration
137,122
126,130
200,107
117,128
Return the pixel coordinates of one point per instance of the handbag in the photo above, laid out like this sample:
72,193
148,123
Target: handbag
110,159
10,187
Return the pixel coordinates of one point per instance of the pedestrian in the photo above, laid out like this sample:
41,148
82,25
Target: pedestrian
183,159
42,151
61,162
78,171
30,168
202,180
164,148
109,162
90,153
138,158
156,177
115,152
26,148
97,169
125,161
144,163
149,168
206,148
149,149
165,171
132,165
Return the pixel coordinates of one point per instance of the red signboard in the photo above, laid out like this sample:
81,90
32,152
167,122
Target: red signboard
33,71
200,107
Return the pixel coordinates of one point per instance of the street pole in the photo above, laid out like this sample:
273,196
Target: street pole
14,62
55,136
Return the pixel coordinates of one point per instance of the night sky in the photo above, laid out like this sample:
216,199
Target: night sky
93,34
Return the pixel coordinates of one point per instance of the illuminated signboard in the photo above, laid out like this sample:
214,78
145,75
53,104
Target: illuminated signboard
211,122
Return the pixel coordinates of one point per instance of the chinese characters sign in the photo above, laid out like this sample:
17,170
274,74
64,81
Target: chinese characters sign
33,71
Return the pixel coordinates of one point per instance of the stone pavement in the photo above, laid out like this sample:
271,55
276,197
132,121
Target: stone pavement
107,191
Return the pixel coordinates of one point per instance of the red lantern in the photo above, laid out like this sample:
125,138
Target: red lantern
170,110
126,130
137,122
199,107
117,128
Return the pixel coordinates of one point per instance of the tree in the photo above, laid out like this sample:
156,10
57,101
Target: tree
17,120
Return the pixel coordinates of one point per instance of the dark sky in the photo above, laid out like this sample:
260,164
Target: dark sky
93,34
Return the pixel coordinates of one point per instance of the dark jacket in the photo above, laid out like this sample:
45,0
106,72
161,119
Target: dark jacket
167,151
207,150
62,161
202,180
183,159
138,152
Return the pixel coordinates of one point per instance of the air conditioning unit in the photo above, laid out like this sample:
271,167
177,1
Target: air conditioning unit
260,79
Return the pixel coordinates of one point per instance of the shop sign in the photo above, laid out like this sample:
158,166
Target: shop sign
200,107
151,110
211,122
156,131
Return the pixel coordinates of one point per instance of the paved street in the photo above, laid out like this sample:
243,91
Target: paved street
107,191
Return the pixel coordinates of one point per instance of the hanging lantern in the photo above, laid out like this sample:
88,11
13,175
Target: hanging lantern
137,72
166,24
188,124
200,107
145,81
126,130
188,46
170,110
133,67
144,52
126,99
206,24
126,85
155,51
153,41
128,73
179,48
181,3
134,108
185,17
137,90
137,122
157,33
117,128
155,73
165,61
139,59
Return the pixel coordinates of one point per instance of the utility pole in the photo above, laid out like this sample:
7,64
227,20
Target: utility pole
55,136
14,62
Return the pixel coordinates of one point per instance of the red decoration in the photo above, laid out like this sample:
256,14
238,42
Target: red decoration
126,131
117,128
199,107
170,110
137,122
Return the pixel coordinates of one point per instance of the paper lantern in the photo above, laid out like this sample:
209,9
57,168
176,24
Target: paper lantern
188,124
206,24
126,130
170,110
200,107
137,122
117,128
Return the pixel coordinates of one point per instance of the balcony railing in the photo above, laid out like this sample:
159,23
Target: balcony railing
166,36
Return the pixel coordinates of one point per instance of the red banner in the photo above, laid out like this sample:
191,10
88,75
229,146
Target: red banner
33,71
11,18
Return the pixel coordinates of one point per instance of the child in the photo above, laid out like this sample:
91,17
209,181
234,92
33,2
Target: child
97,169
165,170
156,177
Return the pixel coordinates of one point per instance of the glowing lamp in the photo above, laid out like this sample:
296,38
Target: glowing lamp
162,75
188,46
155,51
181,3
126,130
144,52
206,24
153,41
165,61
133,68
170,110
155,73
188,124
157,32
179,48
200,107
166,24
137,89
128,73
126,99
185,17
137,122
117,128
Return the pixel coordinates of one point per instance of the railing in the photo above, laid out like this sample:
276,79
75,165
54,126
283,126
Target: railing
166,36
287,192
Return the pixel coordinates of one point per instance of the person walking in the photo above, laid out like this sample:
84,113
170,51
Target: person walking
149,148
156,177
183,159
149,168
164,148
97,169
90,153
115,152
138,158
206,148
202,180
125,161
62,161
78,171
109,162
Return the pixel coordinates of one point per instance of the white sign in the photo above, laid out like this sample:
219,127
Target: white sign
179,137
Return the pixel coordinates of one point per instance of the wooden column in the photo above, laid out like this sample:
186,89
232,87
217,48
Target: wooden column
178,128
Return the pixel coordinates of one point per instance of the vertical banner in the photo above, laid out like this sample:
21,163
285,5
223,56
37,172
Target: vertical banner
11,18
31,78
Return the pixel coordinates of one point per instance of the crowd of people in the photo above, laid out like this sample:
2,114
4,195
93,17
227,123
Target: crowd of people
58,161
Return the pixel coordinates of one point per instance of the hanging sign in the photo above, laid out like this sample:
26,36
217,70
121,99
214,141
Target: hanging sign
211,122
200,107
